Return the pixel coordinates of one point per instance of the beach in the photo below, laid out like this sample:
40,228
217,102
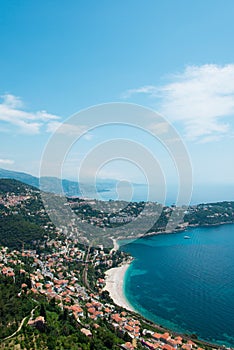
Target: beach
116,245
114,285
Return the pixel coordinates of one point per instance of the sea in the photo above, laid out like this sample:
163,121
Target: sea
205,193
185,284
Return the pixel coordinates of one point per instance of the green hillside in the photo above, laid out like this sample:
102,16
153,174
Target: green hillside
22,215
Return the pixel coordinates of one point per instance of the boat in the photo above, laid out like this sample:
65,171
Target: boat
186,237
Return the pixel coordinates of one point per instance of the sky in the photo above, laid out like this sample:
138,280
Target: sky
174,57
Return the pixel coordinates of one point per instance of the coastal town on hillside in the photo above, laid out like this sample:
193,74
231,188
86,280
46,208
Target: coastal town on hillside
52,277
74,276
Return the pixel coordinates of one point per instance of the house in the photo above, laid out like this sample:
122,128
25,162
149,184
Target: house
168,347
127,346
165,337
116,318
86,332
39,322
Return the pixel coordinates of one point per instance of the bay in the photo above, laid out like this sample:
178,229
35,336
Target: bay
186,285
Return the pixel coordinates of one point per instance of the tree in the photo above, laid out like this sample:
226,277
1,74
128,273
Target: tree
43,311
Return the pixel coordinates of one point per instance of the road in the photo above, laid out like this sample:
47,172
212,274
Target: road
21,324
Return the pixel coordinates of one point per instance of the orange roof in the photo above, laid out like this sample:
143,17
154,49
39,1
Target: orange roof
151,345
165,336
107,310
11,274
96,304
168,347
88,304
187,346
91,310
129,328
156,335
98,313
76,308
116,318
129,346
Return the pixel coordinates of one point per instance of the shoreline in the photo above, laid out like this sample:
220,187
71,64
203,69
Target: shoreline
114,279
115,245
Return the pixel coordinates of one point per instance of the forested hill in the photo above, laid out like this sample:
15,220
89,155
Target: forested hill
23,219
22,215
15,186
20,176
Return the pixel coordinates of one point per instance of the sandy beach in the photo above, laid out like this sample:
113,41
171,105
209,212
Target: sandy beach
116,246
114,285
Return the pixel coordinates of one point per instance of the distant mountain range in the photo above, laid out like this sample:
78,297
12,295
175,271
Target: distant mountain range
54,184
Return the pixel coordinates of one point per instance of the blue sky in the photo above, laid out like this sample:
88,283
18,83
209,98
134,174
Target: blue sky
176,57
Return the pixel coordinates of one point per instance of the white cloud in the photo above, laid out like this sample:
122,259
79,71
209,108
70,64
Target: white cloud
148,89
53,126
201,98
12,113
66,128
12,101
6,161
159,128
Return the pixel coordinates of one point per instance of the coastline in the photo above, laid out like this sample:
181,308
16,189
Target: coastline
115,245
115,285
114,278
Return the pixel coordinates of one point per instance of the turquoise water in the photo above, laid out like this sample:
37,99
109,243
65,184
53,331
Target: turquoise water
186,285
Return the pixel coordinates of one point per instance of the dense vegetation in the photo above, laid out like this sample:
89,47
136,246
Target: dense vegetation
26,220
14,186
14,230
12,307
60,331
210,214
26,224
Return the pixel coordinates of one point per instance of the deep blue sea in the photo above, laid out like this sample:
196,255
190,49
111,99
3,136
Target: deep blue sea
186,285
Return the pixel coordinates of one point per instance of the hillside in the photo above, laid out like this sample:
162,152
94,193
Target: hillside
53,184
22,215
52,285
15,186
20,176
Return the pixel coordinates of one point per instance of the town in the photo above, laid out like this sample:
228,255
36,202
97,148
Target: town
71,277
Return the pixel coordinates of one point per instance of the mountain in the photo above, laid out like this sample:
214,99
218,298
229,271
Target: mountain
48,184
53,184
23,177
